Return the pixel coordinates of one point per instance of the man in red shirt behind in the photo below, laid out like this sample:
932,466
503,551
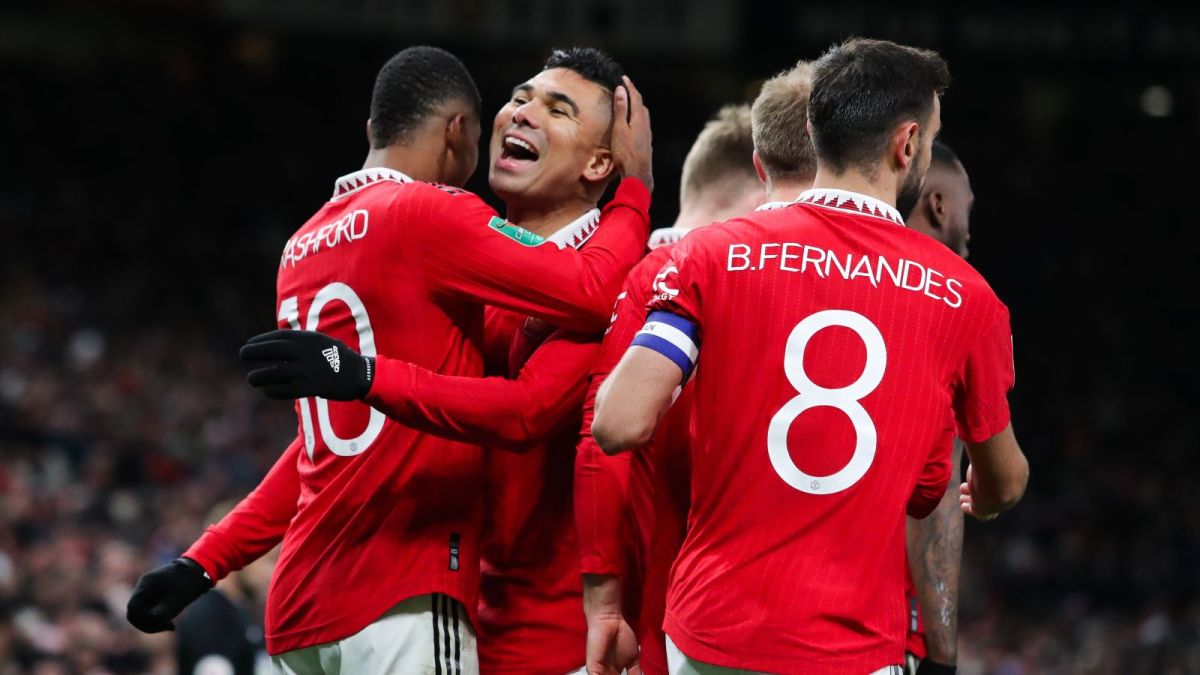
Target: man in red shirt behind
838,350
380,522
631,508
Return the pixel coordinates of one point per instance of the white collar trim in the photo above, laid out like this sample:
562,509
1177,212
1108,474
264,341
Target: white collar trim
851,202
353,182
578,231
771,206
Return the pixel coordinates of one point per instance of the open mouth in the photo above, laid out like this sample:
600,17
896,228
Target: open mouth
517,150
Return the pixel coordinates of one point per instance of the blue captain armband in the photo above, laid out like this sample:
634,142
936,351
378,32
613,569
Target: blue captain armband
672,336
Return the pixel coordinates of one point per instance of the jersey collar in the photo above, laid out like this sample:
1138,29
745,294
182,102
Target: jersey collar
664,236
850,202
578,231
358,180
771,206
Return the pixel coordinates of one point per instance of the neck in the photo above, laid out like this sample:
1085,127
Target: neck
546,219
418,161
691,217
882,188
787,190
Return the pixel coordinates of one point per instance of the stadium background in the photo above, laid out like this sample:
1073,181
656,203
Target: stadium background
155,155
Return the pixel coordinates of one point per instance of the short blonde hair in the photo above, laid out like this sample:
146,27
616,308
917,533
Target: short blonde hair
724,149
780,125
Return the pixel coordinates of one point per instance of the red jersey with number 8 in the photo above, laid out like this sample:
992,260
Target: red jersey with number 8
833,351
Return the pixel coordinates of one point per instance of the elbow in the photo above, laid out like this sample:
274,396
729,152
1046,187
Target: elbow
1007,493
613,436
1013,490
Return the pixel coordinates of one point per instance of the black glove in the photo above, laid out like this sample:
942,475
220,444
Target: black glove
299,363
928,667
162,593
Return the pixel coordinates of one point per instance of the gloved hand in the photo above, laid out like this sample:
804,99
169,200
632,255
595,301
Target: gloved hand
162,593
298,363
928,667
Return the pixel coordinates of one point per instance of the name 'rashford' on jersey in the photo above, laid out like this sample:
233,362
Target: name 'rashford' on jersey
837,349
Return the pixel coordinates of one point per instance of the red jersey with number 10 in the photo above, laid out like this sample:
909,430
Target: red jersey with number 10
837,348
376,511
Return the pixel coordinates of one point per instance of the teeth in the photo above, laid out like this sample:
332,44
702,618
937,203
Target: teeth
512,140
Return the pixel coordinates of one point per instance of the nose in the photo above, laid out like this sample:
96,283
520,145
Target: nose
524,116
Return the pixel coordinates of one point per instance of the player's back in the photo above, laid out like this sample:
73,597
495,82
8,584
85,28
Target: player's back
385,512
832,342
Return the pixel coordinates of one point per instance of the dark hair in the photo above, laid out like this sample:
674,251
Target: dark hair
589,63
861,90
942,154
411,86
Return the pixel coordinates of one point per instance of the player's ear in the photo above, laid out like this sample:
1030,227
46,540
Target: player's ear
905,144
758,168
600,166
370,133
456,130
936,202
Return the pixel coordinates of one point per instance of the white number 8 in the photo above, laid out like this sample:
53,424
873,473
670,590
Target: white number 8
846,399
289,311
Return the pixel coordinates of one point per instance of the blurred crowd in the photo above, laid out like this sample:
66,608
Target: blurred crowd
116,443
142,222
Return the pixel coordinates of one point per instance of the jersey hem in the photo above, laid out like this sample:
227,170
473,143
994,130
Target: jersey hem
347,625
727,658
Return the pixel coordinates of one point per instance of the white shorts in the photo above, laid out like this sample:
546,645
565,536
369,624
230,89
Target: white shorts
678,663
423,635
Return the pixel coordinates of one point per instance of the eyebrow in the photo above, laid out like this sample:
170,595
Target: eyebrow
556,95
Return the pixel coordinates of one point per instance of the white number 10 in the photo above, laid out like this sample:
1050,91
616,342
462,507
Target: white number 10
846,399
289,311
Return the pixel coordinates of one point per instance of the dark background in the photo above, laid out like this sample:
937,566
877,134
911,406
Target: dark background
155,156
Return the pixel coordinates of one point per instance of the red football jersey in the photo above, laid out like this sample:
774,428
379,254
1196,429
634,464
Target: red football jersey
631,508
531,618
530,609
837,348
383,511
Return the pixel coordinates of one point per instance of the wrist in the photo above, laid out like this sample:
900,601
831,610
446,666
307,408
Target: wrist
601,595
198,569
368,376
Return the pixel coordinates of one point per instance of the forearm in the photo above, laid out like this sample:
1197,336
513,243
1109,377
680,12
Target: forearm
935,559
496,411
568,288
998,475
601,499
256,525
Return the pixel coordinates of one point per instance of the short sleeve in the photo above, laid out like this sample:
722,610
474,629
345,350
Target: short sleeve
983,382
676,289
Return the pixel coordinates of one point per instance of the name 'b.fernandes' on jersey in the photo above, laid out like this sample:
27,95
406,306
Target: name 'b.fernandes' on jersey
371,512
838,348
